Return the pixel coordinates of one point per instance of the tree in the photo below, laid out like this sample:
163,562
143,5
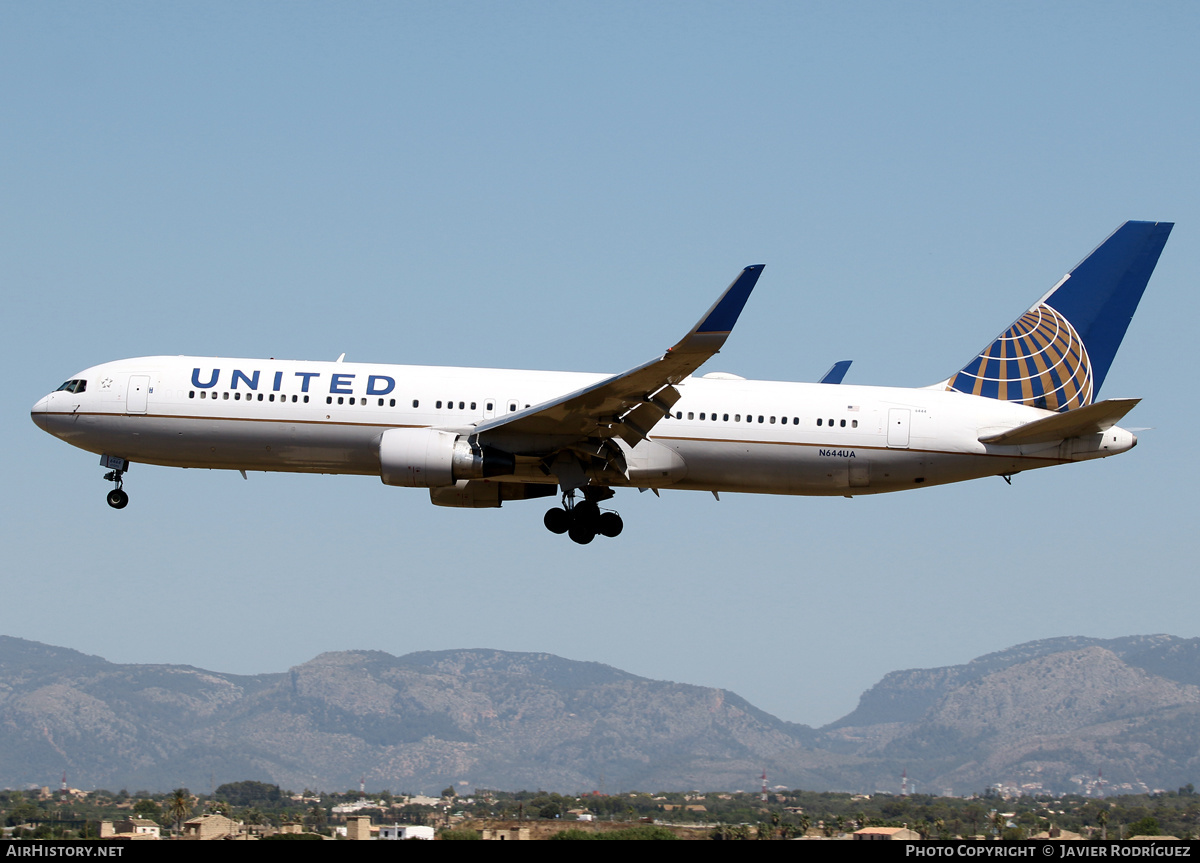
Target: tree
147,809
250,793
315,818
1147,826
179,807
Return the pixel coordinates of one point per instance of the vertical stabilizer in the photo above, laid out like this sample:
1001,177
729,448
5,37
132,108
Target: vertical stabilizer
1058,353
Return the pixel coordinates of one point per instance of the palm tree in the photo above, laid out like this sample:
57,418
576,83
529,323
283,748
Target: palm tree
179,807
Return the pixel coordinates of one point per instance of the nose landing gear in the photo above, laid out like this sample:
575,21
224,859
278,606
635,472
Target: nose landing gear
582,521
117,498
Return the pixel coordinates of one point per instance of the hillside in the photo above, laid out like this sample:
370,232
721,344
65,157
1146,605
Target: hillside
1048,715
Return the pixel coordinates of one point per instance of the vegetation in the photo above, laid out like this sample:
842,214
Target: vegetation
726,816
642,832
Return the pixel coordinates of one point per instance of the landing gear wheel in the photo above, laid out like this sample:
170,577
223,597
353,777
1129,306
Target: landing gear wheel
587,516
557,520
581,533
610,524
117,499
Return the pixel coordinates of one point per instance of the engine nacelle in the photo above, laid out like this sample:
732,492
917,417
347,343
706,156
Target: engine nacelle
433,458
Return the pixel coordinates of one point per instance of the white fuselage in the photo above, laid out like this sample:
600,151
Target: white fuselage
724,434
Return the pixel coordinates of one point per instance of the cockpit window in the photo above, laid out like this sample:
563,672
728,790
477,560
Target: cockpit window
76,386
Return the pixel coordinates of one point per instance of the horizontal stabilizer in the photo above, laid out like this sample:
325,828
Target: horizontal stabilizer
836,372
1092,419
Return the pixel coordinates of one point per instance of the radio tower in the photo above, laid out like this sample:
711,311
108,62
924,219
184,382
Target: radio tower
63,787
904,783
764,791
362,787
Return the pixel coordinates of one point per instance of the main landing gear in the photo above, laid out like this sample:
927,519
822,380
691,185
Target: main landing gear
582,521
117,498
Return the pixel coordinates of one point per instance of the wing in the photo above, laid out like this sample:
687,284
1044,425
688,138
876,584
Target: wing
626,405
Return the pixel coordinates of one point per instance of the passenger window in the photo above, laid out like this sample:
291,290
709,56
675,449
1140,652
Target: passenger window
490,406
701,416
416,403
691,415
328,400
819,421
191,394
843,423
260,397
438,405
472,405
381,402
854,424
391,403
772,420
237,397
678,415
305,399
340,400
760,418
460,405
512,407
725,418
225,395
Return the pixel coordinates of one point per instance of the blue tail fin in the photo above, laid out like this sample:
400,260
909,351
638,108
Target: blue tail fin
1058,353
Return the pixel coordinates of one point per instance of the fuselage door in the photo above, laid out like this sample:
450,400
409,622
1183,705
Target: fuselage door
898,427
135,397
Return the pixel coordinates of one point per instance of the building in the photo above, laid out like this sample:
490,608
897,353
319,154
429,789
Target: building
130,828
210,826
405,831
887,833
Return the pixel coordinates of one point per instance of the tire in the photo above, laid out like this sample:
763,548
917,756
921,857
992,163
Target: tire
587,515
557,520
117,499
611,524
581,533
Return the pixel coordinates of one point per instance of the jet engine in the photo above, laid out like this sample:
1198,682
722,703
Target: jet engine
432,458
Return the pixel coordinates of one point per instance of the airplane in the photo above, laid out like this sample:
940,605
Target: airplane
481,437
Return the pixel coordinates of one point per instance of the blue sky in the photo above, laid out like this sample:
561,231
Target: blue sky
565,185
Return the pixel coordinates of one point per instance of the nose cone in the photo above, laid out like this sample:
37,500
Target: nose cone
39,413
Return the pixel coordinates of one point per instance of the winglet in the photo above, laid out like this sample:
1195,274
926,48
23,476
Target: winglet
836,372
712,330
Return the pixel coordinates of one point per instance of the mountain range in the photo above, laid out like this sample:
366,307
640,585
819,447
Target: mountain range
1049,715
